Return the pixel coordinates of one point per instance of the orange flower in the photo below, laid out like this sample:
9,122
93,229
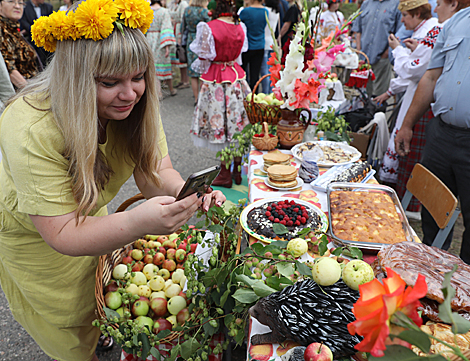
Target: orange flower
377,304
273,59
275,71
306,93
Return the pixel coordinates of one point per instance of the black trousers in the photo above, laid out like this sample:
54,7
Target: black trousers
447,155
252,60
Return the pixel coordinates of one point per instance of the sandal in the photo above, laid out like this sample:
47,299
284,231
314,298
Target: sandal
183,86
104,344
173,92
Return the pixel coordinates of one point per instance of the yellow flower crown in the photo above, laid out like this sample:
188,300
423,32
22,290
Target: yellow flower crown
93,19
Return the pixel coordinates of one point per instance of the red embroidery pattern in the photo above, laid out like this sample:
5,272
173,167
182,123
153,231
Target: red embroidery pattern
415,62
431,36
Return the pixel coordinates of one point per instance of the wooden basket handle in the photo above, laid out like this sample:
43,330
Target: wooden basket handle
130,201
254,90
360,52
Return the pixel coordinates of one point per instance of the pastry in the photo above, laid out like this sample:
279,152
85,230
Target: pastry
365,217
282,176
275,158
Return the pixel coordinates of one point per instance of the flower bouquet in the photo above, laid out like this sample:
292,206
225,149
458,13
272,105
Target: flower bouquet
297,83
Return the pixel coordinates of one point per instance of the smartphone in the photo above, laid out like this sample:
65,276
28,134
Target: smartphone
199,182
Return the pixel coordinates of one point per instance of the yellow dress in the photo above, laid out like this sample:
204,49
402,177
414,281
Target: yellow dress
50,294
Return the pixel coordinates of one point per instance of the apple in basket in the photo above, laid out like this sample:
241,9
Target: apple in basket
160,325
182,316
159,306
144,321
357,272
318,352
140,308
113,300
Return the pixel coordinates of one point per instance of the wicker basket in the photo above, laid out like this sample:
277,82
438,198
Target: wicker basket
266,142
259,113
107,263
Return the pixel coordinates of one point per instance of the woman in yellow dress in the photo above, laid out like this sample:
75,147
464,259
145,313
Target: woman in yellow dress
66,157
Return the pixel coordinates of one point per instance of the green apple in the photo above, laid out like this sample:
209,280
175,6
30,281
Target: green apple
143,321
173,290
297,246
150,270
268,99
120,272
261,96
140,308
173,236
139,279
132,288
326,271
248,97
157,283
356,273
176,304
113,300
144,290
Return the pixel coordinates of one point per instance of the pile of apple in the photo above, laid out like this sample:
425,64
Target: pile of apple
148,285
261,98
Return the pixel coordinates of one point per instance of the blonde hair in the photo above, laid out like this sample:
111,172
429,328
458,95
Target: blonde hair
69,82
200,3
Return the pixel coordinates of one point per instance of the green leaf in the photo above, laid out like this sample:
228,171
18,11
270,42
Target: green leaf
240,337
189,347
304,231
145,345
246,280
273,249
244,295
338,251
258,248
323,245
280,244
163,334
215,228
155,353
222,277
417,338
275,282
459,324
401,353
175,351
110,314
303,269
228,319
285,268
280,229
223,299
263,290
200,224
356,253
208,329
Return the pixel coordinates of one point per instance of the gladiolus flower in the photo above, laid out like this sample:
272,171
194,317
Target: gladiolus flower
275,71
323,62
376,306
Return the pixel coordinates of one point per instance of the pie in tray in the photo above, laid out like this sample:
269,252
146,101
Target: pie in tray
365,217
331,154
292,215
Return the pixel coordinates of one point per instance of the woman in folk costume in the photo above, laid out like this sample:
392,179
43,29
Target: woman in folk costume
410,65
219,112
162,39
66,157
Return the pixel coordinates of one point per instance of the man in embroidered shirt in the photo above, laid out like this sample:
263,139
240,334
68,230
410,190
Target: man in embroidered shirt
446,84
378,19
33,10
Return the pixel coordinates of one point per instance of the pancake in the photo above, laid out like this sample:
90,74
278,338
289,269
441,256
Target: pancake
281,184
275,158
282,176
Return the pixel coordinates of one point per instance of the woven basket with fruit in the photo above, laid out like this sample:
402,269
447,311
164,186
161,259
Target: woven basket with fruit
265,140
262,107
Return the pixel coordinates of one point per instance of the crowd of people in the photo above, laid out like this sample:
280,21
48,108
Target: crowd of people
64,160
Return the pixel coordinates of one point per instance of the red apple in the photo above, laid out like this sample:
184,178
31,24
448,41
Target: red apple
193,247
182,246
138,266
148,259
146,251
140,244
180,265
170,253
158,258
111,287
182,316
158,306
160,325
162,250
169,244
144,299
169,264
183,294
162,239
127,260
318,352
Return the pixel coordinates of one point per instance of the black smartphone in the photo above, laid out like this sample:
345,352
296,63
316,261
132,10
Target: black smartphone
199,182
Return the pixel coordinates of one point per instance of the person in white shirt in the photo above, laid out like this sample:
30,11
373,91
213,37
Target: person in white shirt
331,18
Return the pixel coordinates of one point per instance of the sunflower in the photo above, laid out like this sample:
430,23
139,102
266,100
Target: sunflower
41,33
136,14
94,18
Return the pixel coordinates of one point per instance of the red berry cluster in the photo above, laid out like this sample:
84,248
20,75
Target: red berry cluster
287,213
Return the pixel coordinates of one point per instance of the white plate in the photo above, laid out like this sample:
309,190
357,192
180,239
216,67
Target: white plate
313,208
300,183
346,148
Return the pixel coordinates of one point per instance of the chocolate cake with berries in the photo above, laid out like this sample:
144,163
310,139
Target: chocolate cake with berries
294,216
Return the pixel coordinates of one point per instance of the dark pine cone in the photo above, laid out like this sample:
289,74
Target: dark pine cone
306,313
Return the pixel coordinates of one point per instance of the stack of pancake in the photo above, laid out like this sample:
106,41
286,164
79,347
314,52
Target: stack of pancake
282,176
275,158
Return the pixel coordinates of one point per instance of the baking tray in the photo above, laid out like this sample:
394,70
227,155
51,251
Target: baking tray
360,187
321,183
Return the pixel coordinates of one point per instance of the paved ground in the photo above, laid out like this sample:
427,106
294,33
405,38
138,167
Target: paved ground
15,343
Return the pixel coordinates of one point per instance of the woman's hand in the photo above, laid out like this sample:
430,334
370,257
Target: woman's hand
411,43
212,198
393,41
381,98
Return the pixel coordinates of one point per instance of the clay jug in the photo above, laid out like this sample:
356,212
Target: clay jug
291,127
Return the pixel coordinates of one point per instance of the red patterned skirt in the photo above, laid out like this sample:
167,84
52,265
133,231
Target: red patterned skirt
407,163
